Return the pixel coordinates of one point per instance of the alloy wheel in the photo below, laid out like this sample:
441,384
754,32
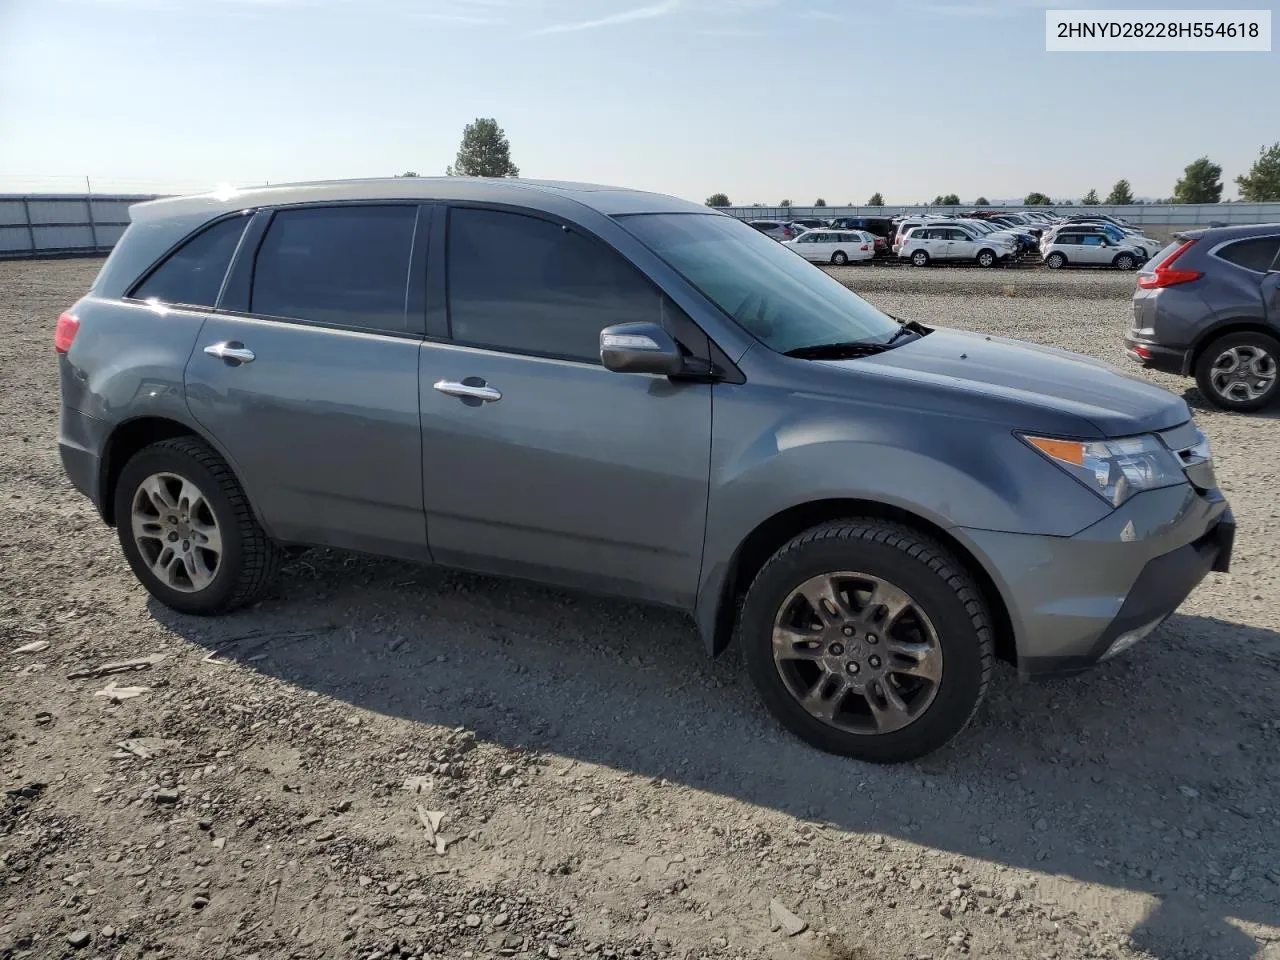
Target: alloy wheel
857,652
176,532
1243,373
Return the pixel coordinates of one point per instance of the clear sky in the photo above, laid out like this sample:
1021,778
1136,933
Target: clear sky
761,99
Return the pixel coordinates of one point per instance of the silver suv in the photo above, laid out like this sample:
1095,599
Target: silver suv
624,392
1085,248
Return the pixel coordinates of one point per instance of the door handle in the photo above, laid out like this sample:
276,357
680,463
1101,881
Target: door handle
455,389
233,351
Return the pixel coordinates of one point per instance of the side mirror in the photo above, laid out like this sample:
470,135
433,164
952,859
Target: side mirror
640,348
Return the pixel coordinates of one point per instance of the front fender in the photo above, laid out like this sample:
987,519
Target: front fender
950,469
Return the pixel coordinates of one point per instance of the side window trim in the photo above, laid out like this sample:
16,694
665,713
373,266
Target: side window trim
238,286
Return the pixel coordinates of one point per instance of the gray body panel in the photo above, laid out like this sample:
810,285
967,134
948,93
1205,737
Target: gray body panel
321,428
635,485
577,476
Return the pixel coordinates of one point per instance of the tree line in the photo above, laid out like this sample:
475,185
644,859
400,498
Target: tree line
1201,182
485,151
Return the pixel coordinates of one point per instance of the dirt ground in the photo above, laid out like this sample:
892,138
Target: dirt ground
387,760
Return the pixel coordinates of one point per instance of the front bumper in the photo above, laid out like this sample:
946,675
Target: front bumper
1155,356
1073,601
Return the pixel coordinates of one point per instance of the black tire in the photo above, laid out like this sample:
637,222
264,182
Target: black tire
1126,261
987,258
1246,341
933,578
839,258
249,561
1055,261
920,259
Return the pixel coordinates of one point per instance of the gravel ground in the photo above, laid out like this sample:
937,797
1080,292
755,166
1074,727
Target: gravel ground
388,760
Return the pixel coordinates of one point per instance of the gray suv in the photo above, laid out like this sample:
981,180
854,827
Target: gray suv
628,393
1208,305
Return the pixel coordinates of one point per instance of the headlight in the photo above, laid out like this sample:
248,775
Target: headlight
1114,469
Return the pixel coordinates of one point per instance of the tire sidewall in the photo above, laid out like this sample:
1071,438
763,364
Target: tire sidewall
1204,370
920,259
962,659
1125,262
153,460
839,259
1055,261
986,259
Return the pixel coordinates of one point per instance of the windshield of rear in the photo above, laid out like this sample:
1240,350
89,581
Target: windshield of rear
778,297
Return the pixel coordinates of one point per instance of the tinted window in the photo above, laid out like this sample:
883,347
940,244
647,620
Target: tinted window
1257,253
341,265
193,274
526,285
1093,240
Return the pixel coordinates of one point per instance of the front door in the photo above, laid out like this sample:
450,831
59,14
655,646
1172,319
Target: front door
538,461
311,386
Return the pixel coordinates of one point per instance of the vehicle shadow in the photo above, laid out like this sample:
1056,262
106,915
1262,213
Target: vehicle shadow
1196,401
1152,774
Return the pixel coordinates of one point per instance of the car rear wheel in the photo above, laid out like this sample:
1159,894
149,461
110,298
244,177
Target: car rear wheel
839,258
1239,371
1126,261
920,258
188,532
1055,261
867,639
986,258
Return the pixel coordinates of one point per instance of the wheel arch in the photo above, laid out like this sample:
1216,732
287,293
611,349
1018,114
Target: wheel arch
130,436
1222,328
769,535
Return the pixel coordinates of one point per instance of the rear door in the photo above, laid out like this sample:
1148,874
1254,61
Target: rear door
307,374
1257,261
538,461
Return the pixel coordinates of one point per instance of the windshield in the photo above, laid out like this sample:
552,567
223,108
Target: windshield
779,298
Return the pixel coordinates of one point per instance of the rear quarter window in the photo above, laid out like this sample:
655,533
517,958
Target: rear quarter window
192,275
1256,253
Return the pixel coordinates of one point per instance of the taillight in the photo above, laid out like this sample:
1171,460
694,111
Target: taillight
1165,275
68,327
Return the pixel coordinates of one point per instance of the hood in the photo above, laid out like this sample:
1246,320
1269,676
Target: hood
1114,402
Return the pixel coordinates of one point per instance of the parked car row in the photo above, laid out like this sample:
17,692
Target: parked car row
985,237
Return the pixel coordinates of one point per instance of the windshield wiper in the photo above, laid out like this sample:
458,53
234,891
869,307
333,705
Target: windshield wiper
842,350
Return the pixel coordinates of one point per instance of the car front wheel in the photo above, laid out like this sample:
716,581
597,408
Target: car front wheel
1126,261
986,259
188,532
867,639
1239,371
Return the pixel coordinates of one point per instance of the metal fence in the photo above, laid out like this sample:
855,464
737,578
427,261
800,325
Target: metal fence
1138,214
59,224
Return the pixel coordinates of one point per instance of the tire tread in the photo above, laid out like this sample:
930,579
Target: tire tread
919,547
262,558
